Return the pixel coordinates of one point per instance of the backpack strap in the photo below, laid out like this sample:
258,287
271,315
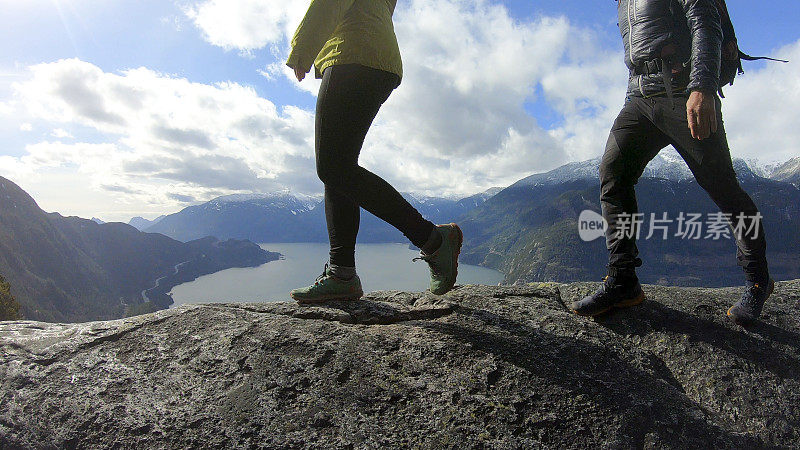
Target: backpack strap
746,57
732,56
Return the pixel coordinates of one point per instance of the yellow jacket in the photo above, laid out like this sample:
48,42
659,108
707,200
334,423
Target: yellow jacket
347,32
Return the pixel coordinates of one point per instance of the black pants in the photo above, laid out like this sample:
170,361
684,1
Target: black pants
349,99
642,129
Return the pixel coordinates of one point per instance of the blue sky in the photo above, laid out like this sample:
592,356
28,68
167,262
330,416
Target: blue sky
489,112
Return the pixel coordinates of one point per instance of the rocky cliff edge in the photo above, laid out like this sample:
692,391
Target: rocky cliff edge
481,367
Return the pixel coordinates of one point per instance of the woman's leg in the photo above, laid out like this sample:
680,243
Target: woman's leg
343,218
349,99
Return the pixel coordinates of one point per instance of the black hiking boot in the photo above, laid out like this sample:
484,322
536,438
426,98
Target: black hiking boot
748,309
616,292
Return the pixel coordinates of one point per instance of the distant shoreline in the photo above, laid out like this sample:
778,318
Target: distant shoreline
385,266
188,271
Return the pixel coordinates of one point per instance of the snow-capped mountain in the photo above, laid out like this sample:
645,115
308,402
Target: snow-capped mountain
529,231
276,199
580,170
289,217
668,165
140,223
788,172
272,217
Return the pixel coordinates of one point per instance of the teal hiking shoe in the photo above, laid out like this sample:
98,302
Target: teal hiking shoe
444,261
327,287
749,308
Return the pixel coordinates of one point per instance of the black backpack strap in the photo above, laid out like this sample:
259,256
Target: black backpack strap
746,57
732,56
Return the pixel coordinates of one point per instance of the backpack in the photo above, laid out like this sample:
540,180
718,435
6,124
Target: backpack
732,56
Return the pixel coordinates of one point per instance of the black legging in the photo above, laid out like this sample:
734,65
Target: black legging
349,99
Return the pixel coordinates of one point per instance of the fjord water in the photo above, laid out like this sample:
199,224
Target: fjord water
380,266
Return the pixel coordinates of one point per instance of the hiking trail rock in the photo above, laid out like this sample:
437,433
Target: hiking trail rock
480,367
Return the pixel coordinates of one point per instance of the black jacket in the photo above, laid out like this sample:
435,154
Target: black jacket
687,33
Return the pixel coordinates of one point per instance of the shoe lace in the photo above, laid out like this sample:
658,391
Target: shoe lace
323,276
751,295
435,269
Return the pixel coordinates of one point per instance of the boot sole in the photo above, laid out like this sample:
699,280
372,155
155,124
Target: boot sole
327,298
458,253
623,304
770,290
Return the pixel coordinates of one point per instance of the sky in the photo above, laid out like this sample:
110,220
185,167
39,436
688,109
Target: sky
115,109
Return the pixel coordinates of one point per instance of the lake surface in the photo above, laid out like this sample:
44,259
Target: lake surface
380,266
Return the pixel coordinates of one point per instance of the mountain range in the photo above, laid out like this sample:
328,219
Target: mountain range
140,223
286,217
528,231
788,172
72,269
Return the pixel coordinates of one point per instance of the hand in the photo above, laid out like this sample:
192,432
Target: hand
299,73
701,113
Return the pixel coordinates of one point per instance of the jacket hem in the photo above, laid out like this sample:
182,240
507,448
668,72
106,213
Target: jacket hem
334,62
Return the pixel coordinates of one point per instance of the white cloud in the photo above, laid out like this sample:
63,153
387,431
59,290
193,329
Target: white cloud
13,168
246,25
760,109
61,133
166,138
26,127
470,69
458,122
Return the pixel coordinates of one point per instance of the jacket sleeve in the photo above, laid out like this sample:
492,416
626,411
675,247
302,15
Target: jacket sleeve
705,27
321,19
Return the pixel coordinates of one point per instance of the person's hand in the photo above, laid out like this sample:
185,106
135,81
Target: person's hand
299,73
701,114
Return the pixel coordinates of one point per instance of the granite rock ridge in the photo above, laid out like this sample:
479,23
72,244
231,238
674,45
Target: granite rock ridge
482,367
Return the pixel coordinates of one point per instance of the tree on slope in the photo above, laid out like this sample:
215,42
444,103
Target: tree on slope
9,308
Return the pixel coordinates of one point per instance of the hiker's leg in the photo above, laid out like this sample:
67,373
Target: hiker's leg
342,216
349,99
710,162
632,143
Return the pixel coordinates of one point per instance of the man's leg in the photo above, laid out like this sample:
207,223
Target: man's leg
710,162
632,143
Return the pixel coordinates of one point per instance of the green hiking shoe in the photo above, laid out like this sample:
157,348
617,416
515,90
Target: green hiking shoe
327,287
444,261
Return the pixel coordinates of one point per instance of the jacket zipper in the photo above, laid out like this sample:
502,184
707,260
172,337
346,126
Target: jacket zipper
631,18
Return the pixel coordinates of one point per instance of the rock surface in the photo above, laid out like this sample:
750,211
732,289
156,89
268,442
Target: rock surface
481,367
